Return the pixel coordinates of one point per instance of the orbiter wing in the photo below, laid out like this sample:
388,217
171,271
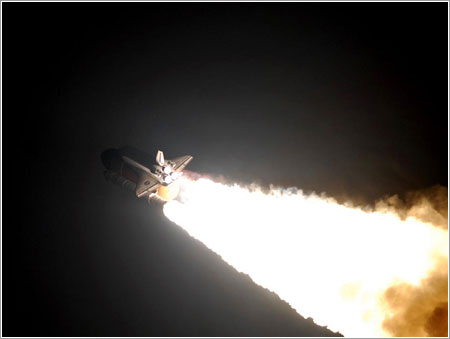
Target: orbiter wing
178,164
147,182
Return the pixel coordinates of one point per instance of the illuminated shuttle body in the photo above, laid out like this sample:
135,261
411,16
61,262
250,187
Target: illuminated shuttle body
128,173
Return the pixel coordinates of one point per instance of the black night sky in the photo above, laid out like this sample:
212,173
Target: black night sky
349,99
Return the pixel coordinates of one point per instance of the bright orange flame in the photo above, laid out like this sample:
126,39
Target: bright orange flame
169,192
331,262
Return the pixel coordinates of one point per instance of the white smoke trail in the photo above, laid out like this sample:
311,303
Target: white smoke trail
330,262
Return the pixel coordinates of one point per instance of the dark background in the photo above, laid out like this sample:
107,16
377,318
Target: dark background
344,98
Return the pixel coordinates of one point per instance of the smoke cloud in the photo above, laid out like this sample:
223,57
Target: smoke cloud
429,205
419,310
379,270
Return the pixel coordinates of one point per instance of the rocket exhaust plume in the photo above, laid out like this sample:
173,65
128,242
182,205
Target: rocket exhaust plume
365,272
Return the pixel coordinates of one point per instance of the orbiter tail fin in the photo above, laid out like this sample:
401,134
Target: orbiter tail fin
160,158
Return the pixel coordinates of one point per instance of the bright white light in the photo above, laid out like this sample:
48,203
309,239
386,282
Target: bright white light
176,175
330,262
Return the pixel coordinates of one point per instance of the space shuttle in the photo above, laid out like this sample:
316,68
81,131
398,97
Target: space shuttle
161,183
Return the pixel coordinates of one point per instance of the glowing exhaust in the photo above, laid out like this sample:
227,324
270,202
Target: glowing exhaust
355,271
